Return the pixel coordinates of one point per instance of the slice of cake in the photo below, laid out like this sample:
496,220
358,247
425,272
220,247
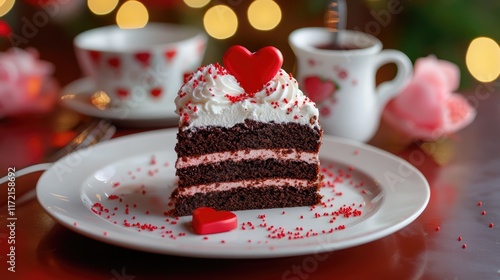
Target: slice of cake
250,147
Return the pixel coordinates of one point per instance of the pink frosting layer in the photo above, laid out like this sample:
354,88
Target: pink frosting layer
247,184
283,154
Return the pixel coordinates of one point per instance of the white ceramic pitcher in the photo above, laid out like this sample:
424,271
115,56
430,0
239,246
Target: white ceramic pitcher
343,82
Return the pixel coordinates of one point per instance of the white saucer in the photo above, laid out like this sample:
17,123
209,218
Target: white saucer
76,96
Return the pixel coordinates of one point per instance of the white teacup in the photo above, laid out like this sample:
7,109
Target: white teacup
342,82
140,68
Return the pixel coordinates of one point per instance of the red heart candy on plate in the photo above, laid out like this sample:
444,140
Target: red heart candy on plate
253,70
207,220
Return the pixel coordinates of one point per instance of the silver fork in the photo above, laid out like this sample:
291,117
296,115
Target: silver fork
97,131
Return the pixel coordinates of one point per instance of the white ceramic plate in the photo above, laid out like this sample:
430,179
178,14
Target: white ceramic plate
76,96
118,192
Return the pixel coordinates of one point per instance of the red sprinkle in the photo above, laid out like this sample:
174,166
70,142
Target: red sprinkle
438,228
459,238
491,225
113,196
464,246
480,203
483,213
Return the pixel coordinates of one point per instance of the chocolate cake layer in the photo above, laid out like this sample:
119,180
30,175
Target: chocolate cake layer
248,135
229,171
248,198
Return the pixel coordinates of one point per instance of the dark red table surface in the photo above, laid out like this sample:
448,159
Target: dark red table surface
463,171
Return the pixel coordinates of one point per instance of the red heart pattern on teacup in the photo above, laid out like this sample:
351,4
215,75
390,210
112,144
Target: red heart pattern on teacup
155,92
253,70
201,46
317,89
114,62
170,54
207,220
95,56
143,58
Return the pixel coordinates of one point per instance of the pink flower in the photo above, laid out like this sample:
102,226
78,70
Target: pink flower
26,83
427,108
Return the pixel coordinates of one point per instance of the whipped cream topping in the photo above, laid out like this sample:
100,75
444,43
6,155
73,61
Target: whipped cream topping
212,96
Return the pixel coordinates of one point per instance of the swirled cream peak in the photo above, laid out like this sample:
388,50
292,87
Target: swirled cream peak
213,97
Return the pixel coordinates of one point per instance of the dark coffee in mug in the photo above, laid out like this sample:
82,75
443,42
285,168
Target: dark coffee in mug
336,47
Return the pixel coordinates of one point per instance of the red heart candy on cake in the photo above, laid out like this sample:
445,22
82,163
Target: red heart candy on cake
253,70
207,220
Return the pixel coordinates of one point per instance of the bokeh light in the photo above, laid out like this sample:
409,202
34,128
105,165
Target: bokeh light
132,14
220,22
483,59
196,3
6,6
102,7
264,14
4,29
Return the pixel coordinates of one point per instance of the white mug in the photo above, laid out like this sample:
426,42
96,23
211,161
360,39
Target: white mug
140,68
342,83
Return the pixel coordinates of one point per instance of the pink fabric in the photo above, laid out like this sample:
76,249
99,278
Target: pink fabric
26,83
427,108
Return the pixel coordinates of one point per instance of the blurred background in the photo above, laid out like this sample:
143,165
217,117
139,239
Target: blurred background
444,28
